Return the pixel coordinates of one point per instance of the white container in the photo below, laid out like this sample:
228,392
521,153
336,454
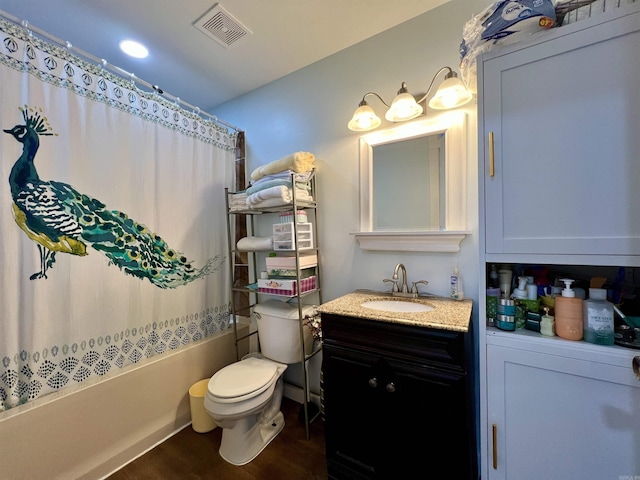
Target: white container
290,262
287,228
283,236
279,331
287,217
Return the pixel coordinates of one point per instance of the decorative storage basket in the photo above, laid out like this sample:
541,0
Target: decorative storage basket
288,288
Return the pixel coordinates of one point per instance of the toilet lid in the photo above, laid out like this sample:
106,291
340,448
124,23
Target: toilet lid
242,378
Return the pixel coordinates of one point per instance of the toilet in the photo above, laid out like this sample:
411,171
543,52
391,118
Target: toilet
244,398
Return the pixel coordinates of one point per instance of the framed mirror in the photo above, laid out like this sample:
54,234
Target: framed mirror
413,185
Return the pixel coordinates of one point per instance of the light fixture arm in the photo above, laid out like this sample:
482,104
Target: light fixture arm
448,75
363,102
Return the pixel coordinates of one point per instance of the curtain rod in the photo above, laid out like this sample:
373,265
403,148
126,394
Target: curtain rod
123,73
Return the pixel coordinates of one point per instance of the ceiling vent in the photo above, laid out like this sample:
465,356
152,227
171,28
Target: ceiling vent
223,27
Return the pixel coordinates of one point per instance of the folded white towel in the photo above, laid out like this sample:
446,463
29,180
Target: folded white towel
286,175
298,162
275,183
282,193
238,201
253,244
269,202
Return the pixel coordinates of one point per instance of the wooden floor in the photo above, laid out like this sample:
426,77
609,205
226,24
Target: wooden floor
191,455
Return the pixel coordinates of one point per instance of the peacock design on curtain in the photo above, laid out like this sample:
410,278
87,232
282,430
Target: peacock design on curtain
58,218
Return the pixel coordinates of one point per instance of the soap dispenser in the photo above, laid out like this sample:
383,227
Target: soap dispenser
568,313
520,293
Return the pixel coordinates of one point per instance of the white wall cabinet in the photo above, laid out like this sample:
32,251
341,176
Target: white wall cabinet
559,150
559,410
561,175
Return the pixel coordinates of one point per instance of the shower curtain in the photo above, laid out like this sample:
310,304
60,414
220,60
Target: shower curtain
112,221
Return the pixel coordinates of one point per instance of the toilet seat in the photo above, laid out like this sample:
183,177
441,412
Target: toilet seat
242,380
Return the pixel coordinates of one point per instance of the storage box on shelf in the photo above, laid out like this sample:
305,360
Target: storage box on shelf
283,236
289,274
287,288
276,262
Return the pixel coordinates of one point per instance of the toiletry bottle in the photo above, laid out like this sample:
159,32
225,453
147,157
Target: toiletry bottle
456,284
506,314
598,318
494,281
568,310
547,324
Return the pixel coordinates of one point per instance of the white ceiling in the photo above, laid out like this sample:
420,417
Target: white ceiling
285,35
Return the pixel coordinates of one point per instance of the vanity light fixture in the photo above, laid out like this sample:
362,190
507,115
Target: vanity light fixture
451,94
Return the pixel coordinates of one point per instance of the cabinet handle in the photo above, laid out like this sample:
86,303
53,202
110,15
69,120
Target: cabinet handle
373,382
391,387
491,155
636,366
495,446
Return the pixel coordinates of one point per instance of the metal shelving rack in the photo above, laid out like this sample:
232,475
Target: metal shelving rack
254,295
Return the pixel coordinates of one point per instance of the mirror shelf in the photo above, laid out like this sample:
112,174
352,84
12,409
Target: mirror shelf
437,241
443,202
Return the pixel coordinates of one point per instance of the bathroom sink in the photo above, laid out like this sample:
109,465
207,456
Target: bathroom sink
396,306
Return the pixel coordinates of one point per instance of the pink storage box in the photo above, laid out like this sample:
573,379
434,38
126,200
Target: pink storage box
287,288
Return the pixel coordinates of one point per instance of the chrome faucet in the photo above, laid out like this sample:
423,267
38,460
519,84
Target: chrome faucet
402,289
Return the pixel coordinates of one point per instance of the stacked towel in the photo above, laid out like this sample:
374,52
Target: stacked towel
238,201
281,194
284,175
298,162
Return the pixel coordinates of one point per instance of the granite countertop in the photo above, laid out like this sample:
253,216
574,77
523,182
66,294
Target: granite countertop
448,314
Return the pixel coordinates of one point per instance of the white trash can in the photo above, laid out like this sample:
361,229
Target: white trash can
201,421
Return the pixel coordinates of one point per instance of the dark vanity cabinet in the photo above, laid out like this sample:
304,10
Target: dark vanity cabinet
397,401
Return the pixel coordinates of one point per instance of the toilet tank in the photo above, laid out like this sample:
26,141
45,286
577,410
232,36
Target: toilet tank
279,330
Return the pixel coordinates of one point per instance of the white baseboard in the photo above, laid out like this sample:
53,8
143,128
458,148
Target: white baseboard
296,394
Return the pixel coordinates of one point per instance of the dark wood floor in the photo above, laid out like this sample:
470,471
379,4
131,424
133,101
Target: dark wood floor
191,455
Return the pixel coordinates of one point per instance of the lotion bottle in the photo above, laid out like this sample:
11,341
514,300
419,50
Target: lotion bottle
547,324
457,292
568,313
598,318
494,281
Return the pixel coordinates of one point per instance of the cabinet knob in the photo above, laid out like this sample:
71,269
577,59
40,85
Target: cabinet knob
373,382
391,387
636,366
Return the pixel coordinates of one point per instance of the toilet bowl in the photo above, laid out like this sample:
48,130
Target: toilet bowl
244,399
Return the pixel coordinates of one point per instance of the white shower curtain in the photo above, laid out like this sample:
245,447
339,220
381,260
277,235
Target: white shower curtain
112,229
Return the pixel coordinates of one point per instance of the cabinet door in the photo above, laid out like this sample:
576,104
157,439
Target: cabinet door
565,117
386,418
561,418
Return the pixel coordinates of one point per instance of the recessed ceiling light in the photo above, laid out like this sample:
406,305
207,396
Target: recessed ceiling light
134,49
